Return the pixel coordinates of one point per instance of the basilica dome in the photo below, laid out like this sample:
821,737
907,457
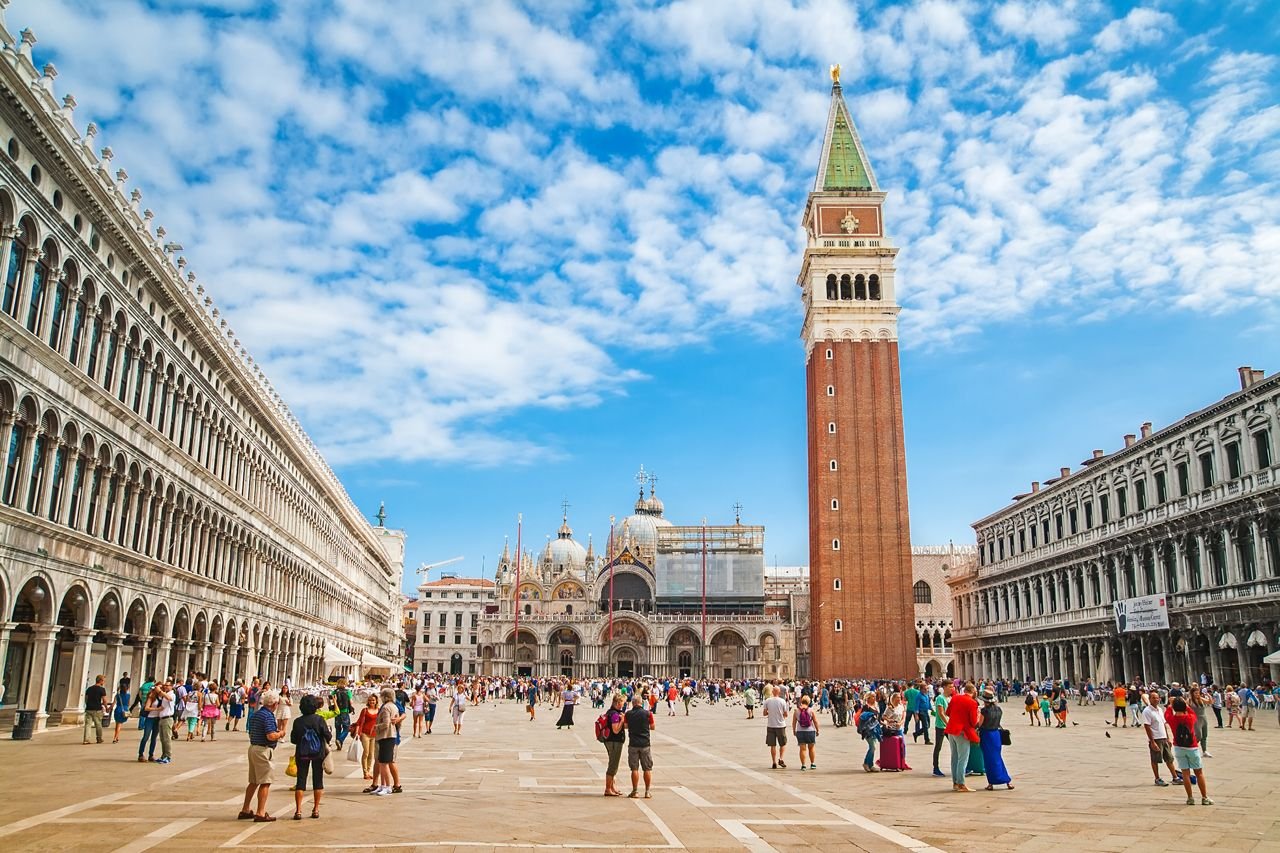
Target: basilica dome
564,553
641,528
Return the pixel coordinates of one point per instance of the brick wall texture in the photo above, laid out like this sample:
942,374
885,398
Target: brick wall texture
874,603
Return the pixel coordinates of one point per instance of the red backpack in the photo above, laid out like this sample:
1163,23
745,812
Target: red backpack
603,728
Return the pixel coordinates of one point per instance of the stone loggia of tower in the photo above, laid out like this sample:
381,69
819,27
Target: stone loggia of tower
859,540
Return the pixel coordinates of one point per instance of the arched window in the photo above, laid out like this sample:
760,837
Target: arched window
56,479
923,593
835,544
831,390
860,287
873,284
839,626
77,327
109,360
845,289
58,316
830,354
13,463
834,465
39,458
831,427
528,610
77,490
38,281
831,286
835,503
13,276
835,584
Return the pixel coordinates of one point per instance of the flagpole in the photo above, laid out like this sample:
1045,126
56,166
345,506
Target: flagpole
704,597
515,640
611,569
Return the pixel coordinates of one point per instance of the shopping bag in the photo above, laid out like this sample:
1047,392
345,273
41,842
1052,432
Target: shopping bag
328,762
355,751
292,769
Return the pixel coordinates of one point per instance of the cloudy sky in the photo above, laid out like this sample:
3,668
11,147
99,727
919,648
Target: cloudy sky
497,255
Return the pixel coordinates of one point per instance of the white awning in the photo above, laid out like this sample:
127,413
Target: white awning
1274,657
370,661
1227,641
336,658
1257,638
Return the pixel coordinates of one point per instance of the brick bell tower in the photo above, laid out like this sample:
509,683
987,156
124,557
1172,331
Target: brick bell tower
861,613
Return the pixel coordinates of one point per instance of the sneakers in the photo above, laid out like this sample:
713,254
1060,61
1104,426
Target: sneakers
813,767
1208,755
164,761
938,773
1160,783
1205,801
382,792
1191,801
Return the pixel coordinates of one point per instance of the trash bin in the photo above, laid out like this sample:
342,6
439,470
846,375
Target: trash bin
24,723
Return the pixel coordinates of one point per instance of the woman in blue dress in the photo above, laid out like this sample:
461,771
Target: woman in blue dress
120,706
989,734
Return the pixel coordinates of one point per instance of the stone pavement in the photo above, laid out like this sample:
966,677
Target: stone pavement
507,783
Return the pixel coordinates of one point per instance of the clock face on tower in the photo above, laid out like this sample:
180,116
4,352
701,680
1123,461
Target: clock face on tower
848,220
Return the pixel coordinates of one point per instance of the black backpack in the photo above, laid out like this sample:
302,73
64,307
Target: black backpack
1182,736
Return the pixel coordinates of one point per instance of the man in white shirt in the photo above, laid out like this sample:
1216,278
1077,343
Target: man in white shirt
775,713
1158,739
164,720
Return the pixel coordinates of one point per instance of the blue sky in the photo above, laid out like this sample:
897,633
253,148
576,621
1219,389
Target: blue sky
496,255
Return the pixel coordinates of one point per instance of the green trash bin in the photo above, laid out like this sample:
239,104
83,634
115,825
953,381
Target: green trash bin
24,724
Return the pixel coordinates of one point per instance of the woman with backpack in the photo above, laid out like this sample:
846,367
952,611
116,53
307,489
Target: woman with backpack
311,737
804,725
869,729
610,732
1181,722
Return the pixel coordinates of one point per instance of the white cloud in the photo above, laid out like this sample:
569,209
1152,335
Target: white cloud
476,210
1140,27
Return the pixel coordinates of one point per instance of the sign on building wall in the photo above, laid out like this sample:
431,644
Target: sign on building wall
1147,613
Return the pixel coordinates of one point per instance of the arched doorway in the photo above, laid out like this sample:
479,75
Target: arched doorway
624,659
564,648
455,664
525,653
728,653
932,669
685,648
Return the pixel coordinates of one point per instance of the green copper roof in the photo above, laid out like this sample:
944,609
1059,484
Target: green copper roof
845,169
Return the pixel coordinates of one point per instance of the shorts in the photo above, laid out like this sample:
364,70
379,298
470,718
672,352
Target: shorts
775,737
806,738
260,772
1247,712
639,758
386,750
751,707
1161,751
1188,757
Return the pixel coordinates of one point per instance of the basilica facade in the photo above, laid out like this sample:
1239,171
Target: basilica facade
161,510
629,612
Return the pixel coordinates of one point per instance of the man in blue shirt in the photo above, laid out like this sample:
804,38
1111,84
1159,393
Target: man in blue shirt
263,735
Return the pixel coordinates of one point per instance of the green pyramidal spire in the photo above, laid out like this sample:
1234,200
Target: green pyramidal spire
844,164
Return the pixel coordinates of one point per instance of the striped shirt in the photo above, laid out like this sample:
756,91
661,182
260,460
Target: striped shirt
261,723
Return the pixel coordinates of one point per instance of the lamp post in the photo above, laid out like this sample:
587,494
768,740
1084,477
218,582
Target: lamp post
612,562
704,597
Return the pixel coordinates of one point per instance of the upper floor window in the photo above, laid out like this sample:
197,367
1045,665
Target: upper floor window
1122,502
1088,515
834,465
1162,487
1057,521
831,427
839,626
1206,470
1140,491
1262,448
1074,517
923,593
1233,461
830,355
835,544
835,503
1183,472
1104,507
831,390
836,584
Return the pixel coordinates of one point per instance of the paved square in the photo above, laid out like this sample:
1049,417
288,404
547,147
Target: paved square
508,783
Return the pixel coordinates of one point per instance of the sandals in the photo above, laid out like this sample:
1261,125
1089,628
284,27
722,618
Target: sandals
315,814
297,815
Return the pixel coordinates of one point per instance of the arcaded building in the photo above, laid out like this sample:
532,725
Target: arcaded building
1187,516
859,537
161,509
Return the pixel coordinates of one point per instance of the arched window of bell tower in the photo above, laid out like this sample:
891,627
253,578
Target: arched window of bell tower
831,286
860,287
874,286
845,291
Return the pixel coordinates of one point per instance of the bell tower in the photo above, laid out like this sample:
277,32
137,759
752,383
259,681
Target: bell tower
861,613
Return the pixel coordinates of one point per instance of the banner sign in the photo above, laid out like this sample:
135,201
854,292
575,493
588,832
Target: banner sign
1147,613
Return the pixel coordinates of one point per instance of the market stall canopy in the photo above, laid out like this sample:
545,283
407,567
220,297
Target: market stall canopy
1274,657
369,661
336,658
